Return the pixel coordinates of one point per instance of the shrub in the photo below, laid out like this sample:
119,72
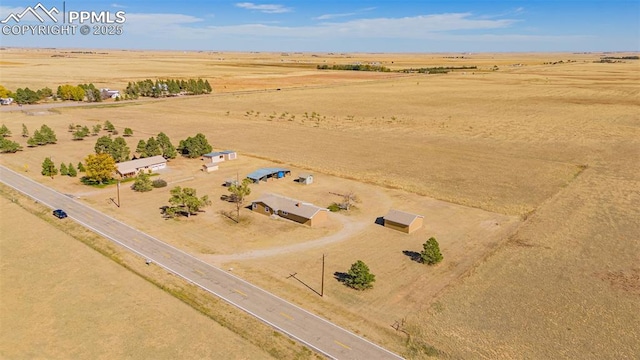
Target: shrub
159,183
334,207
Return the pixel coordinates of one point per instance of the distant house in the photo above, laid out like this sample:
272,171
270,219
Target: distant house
403,221
265,174
305,179
106,93
133,167
220,156
210,167
6,101
295,210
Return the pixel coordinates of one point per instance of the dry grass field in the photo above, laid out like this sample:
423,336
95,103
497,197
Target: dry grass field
62,300
527,176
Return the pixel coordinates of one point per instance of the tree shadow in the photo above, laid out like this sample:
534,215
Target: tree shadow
380,221
341,277
415,256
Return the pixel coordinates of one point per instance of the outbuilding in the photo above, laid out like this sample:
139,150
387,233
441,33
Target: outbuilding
265,174
210,167
305,179
403,221
133,167
219,156
295,210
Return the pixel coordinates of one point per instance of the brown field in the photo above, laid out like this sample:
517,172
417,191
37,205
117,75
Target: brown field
527,176
61,300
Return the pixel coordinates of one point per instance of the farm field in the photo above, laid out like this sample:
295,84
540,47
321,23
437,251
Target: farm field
525,175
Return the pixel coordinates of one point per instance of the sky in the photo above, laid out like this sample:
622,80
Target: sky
335,26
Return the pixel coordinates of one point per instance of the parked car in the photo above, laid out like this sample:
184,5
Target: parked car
59,213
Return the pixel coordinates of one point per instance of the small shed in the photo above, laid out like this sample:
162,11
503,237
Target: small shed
210,167
219,156
403,221
231,182
305,179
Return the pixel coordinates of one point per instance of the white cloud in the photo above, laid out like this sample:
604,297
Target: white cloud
265,8
333,16
116,5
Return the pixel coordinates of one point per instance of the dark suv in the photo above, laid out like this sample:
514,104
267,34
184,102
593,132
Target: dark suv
59,213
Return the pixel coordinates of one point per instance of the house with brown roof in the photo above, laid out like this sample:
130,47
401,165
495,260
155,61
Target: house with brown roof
295,210
403,221
133,167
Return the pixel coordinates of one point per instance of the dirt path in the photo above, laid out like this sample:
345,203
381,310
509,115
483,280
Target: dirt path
349,228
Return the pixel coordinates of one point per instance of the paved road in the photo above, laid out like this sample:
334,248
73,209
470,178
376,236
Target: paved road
301,325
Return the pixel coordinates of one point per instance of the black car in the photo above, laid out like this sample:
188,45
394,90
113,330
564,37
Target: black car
59,213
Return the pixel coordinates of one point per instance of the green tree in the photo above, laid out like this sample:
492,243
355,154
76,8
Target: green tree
4,131
26,96
359,276
152,148
239,192
119,149
80,167
31,142
25,131
143,183
63,169
8,146
128,131
168,150
49,168
71,170
100,168
47,134
96,129
109,126
431,254
103,145
185,202
81,133
193,147
141,149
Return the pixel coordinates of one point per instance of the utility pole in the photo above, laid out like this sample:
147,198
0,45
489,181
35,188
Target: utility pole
118,193
322,283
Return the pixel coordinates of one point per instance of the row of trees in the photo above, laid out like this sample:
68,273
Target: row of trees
49,168
161,145
81,92
26,95
355,67
168,87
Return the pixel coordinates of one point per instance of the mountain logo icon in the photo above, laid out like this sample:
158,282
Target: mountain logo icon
39,11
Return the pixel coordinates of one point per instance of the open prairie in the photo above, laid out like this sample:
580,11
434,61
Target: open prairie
62,300
526,174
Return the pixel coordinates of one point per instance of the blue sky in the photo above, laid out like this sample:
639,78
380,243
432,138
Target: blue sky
351,26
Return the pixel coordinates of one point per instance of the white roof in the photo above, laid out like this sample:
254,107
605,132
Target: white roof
128,167
292,206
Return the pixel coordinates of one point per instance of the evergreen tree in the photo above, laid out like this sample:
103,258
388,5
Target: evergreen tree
152,148
49,168
431,254
359,276
141,149
103,145
80,167
71,170
25,131
4,131
194,147
8,146
168,150
63,169
119,150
